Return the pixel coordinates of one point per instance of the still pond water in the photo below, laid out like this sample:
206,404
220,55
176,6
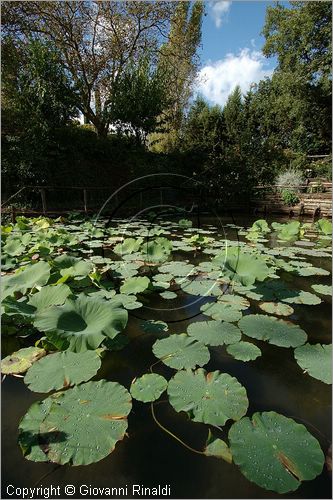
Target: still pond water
149,456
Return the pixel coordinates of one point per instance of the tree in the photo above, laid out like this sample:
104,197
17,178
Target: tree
233,115
37,100
300,90
178,63
140,97
300,37
203,129
96,41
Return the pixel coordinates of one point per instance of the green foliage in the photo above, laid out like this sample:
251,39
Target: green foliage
242,267
84,323
289,197
140,97
291,179
299,35
100,407
273,330
211,398
61,370
276,443
76,322
316,360
181,351
148,388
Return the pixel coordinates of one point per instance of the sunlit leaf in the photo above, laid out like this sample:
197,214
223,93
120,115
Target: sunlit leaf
212,398
275,452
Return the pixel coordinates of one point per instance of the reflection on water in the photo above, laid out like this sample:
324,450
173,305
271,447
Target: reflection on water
150,457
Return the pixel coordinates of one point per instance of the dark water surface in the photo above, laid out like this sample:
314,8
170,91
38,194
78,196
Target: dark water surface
149,456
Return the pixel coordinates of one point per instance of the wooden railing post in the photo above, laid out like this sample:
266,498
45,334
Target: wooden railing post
85,201
43,196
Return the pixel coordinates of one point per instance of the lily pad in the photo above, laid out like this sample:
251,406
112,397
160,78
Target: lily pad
157,250
84,322
260,226
204,288
221,311
79,426
312,271
168,295
323,289
73,267
128,246
275,452
301,297
177,268
219,449
61,370
134,285
242,267
244,351
211,398
181,351
148,388
277,308
324,226
51,295
20,361
275,331
214,332
128,301
316,360
33,275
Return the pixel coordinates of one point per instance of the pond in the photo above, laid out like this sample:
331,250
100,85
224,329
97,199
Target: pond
235,318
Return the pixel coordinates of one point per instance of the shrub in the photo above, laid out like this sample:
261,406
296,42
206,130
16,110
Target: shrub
289,197
291,180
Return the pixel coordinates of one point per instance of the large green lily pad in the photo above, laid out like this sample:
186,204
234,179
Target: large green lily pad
201,287
323,289
275,452
128,246
277,308
242,267
312,271
72,266
84,322
275,331
33,275
316,360
20,361
181,351
51,295
301,297
134,285
244,351
61,370
214,332
79,426
148,388
221,311
211,398
177,268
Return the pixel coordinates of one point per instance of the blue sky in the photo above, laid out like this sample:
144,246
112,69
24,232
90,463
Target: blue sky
231,48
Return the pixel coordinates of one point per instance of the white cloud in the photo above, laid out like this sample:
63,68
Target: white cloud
219,9
218,79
